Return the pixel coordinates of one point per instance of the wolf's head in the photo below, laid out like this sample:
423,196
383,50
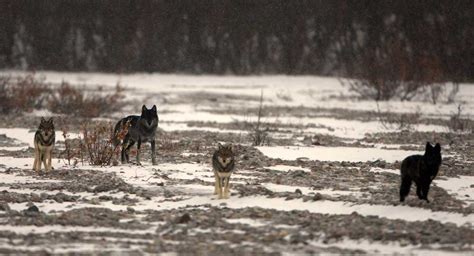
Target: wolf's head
225,154
46,127
433,155
150,115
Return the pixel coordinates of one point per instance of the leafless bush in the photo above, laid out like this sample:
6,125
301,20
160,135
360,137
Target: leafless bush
166,144
259,135
98,142
22,93
73,152
459,124
453,92
26,93
403,121
70,100
389,70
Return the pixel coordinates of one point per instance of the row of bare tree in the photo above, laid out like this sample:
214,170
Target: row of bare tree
375,40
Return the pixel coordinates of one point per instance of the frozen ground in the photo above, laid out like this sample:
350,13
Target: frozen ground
326,182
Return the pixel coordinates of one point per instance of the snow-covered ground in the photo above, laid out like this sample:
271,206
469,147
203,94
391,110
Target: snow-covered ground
274,182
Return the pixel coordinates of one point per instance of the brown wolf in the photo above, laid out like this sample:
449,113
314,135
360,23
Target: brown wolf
223,165
44,143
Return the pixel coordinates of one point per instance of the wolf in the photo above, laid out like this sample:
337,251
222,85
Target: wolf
44,140
421,169
140,129
223,164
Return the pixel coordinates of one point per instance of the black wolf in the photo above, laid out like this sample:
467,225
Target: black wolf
421,169
140,129
45,138
223,165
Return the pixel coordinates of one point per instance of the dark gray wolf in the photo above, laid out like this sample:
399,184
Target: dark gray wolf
223,165
139,129
421,169
44,140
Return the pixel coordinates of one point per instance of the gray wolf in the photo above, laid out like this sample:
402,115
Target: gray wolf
421,169
223,164
140,129
44,143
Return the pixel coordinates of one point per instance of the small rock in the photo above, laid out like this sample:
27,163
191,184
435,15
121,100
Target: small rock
317,197
130,209
168,194
185,218
32,208
298,191
4,207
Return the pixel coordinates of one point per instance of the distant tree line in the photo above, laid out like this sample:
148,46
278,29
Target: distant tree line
334,37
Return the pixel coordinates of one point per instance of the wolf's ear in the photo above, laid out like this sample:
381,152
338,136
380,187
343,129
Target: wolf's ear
437,147
154,108
43,120
230,147
144,108
219,146
428,147
50,120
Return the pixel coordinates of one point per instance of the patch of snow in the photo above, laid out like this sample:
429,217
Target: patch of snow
403,212
338,127
461,188
248,221
26,136
350,154
25,230
383,170
310,91
385,248
287,168
17,179
186,154
14,148
173,126
306,190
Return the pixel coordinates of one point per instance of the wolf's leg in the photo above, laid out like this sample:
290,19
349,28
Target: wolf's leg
139,145
216,184
425,189
47,160
50,160
43,158
35,164
153,154
419,191
405,187
226,187
220,188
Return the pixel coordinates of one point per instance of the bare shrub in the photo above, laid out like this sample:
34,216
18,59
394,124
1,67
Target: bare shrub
403,121
388,70
72,101
459,124
259,135
26,93
98,143
73,152
166,144
22,93
453,92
